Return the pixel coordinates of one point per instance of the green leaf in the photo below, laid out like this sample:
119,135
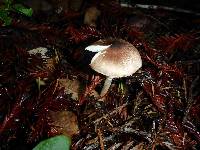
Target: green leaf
8,4
26,11
60,142
5,18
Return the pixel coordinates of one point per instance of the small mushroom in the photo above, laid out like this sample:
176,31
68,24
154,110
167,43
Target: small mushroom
91,15
116,58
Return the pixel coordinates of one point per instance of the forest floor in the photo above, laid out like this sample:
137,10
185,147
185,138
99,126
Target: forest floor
43,95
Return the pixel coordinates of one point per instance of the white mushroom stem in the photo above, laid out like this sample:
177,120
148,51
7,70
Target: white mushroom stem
106,86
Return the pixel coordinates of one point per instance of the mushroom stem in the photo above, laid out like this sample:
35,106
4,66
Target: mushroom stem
106,86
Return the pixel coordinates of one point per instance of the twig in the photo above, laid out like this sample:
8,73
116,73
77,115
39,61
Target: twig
109,114
161,7
166,8
100,139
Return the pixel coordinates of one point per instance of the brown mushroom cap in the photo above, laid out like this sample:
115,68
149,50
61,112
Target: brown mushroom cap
120,59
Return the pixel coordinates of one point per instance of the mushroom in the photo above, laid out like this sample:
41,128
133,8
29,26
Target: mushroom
91,15
115,58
